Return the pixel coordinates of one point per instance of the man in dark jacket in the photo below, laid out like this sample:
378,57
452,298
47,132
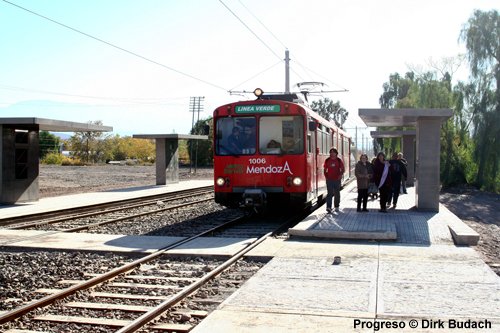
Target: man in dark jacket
398,169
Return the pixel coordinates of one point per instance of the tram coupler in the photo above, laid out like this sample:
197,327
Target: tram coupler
254,198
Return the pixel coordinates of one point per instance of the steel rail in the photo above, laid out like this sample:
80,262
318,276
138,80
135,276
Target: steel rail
128,217
160,309
156,312
95,213
18,312
20,219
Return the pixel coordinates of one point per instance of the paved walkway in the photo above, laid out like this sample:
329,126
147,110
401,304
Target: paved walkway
404,224
419,282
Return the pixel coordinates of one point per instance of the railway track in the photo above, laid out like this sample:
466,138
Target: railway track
38,219
116,298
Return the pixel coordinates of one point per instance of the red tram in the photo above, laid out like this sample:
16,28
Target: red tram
271,151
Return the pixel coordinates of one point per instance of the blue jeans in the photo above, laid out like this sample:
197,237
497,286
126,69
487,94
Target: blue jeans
333,188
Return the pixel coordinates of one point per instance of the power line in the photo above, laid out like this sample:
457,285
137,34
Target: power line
255,17
265,70
246,26
145,101
310,70
116,47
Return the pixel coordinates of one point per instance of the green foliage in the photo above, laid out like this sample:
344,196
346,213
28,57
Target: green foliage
428,91
72,161
53,158
88,146
201,151
331,111
95,147
48,142
481,35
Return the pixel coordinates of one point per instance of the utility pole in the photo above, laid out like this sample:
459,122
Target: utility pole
287,71
195,105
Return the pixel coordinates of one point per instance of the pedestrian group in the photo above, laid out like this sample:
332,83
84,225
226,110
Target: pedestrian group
381,177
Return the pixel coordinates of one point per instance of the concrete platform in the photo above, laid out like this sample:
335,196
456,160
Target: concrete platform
32,239
421,275
403,225
301,291
86,199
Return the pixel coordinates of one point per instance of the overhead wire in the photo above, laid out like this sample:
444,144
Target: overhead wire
246,26
321,76
265,27
118,99
265,70
116,46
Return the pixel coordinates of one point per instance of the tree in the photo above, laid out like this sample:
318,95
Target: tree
481,35
89,146
331,111
396,90
49,143
427,90
201,151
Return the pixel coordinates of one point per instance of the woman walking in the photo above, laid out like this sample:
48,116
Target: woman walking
382,179
364,173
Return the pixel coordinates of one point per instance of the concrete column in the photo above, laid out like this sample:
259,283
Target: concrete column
19,163
172,154
409,155
167,161
161,162
427,164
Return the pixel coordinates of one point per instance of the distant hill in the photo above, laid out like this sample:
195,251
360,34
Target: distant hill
62,136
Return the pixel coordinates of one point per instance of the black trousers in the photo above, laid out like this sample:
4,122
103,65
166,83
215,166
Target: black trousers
384,195
362,197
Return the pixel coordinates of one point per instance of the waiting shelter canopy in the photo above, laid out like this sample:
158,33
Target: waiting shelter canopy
167,154
427,123
55,125
20,152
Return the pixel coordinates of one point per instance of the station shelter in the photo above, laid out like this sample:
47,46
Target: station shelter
427,123
408,149
20,151
167,154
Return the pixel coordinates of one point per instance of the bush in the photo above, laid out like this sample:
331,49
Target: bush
71,161
53,158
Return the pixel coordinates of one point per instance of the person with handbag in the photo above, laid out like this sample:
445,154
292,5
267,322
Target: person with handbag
383,180
363,173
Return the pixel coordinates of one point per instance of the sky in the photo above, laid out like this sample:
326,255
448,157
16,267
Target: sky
135,64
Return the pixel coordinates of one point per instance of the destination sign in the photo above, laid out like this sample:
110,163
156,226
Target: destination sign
257,108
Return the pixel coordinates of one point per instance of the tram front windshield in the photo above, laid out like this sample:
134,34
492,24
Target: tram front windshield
277,135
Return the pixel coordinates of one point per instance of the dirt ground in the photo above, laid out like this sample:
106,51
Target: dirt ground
479,210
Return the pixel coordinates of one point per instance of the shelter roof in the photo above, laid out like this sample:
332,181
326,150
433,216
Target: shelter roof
400,117
56,125
171,136
392,134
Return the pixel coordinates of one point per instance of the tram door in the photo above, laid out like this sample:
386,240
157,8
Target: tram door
314,152
317,165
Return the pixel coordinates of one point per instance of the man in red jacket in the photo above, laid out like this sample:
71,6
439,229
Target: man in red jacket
333,170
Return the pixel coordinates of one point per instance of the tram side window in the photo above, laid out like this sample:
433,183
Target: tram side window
236,136
281,135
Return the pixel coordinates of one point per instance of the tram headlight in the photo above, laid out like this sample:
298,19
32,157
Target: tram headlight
220,181
258,92
297,181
